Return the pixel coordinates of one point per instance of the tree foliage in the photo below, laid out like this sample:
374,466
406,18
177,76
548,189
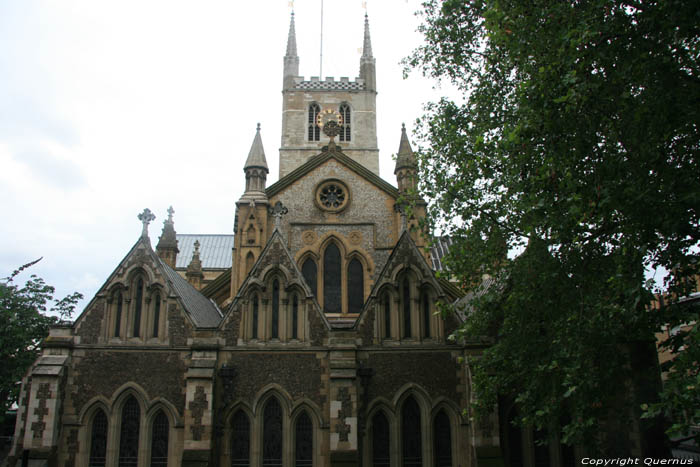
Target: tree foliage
576,142
23,324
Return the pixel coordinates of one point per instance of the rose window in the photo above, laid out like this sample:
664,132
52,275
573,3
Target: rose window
332,196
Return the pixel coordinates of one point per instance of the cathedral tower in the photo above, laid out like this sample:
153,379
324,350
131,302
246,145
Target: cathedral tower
352,102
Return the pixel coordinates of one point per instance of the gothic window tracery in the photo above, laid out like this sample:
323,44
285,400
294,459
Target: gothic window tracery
274,334
381,445
442,440
304,442
138,306
308,270
98,440
240,440
159,440
411,442
355,287
345,127
129,433
314,133
332,298
272,434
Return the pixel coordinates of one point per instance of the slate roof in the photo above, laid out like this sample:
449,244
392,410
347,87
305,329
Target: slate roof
214,250
203,311
438,251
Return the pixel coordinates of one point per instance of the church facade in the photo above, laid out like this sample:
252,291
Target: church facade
308,338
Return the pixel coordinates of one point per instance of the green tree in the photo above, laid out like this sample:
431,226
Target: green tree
576,145
23,324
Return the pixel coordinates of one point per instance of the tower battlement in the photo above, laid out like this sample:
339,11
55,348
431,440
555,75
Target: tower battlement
329,84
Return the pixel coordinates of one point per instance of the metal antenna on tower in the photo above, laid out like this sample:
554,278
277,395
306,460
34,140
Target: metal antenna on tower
320,72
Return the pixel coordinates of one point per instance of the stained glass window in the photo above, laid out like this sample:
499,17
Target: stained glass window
118,318
255,317
308,270
137,308
303,454
442,440
356,288
345,128
272,434
156,315
387,316
98,440
331,280
129,434
159,440
295,317
240,440
425,305
314,129
381,446
275,309
406,309
412,448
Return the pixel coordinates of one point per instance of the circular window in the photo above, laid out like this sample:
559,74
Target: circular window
332,196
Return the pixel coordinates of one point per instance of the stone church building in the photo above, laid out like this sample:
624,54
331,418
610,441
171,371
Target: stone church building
308,338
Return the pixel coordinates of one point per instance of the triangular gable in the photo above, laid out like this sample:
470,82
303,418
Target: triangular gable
405,254
319,159
274,254
200,311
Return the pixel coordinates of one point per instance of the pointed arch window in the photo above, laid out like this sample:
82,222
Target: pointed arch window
425,313
387,316
118,315
308,270
274,334
314,129
381,445
254,331
240,440
304,445
272,434
159,440
156,315
406,306
345,128
442,440
412,448
356,287
138,307
98,440
129,433
332,301
295,317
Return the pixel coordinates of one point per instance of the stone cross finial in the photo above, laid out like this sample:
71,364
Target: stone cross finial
277,211
331,129
171,211
146,217
196,247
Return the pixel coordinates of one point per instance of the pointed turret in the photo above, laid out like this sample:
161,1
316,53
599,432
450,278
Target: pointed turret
256,168
406,164
167,243
194,269
291,59
367,62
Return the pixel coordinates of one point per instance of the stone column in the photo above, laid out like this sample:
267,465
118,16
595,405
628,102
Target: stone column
198,403
343,400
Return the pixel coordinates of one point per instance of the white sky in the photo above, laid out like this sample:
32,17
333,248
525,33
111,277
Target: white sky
110,107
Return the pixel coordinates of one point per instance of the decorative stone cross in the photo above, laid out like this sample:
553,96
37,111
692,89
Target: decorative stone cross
277,211
146,217
171,211
331,129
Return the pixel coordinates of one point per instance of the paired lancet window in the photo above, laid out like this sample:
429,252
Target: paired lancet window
275,313
136,311
314,131
408,311
345,128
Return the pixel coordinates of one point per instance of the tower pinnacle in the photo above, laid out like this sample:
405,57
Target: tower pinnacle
367,62
291,59
367,44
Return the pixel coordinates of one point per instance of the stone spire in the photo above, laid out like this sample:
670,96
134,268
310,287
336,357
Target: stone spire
291,60
194,269
406,164
367,62
255,170
167,243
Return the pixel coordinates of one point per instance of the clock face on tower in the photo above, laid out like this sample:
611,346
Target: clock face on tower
327,115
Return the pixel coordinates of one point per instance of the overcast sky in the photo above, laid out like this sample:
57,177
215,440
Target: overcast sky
110,107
